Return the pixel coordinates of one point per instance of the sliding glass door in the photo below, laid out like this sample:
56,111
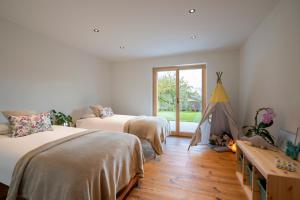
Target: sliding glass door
179,96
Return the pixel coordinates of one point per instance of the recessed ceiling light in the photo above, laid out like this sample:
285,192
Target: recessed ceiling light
191,11
193,37
122,47
96,30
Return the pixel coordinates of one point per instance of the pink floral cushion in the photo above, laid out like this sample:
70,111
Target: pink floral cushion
29,124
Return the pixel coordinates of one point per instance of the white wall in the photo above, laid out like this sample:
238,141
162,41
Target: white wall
270,67
40,74
132,81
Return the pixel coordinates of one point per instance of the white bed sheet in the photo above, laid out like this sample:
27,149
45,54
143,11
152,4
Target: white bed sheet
113,123
12,149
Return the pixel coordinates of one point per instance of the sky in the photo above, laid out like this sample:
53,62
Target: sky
192,76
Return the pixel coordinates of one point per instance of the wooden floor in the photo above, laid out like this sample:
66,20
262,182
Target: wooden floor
199,173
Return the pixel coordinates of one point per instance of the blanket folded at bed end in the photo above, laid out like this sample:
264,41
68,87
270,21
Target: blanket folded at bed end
153,129
86,165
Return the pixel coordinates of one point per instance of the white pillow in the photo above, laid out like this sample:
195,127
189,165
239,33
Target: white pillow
88,115
4,129
17,113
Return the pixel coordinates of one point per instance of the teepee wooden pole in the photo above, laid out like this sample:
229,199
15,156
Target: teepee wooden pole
219,75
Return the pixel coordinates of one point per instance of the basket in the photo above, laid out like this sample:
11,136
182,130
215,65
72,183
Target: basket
240,162
249,170
262,188
241,158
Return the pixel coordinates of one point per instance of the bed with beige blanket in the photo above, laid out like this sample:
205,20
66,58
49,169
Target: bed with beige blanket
69,163
153,129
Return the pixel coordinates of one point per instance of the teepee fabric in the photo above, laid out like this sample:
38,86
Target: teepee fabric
217,118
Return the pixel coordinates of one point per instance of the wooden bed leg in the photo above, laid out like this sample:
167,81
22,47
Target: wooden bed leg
3,191
138,184
134,182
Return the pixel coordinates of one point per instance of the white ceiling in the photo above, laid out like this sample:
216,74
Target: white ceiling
146,27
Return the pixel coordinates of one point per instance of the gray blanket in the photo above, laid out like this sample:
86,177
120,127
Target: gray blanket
153,129
87,165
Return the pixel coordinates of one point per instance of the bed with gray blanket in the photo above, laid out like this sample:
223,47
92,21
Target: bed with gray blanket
84,165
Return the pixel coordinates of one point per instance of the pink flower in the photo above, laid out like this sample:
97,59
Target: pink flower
268,117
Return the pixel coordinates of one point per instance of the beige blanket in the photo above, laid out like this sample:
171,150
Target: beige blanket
153,129
86,165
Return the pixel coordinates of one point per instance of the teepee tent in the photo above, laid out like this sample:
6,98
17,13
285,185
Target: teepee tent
217,118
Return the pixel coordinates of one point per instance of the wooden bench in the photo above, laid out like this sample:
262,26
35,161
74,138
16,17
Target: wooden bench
280,184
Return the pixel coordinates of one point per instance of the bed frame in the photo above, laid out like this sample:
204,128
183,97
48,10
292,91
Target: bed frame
121,195
134,182
3,191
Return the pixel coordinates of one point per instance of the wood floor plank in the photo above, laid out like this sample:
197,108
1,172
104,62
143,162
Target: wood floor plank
200,173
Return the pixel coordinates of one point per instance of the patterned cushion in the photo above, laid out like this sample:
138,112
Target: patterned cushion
106,112
29,124
41,122
96,110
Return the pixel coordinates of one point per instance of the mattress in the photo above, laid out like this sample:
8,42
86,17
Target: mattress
12,149
113,123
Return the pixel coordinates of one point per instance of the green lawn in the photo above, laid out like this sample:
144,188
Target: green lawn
184,116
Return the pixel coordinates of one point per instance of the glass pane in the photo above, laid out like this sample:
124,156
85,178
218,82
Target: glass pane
166,94
190,107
